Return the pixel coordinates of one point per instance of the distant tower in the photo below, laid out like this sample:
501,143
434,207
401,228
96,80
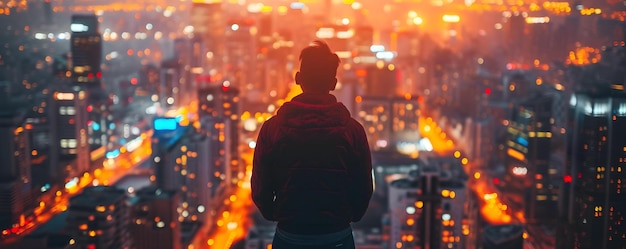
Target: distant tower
594,204
86,47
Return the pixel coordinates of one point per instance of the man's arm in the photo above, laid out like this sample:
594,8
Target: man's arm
261,181
362,186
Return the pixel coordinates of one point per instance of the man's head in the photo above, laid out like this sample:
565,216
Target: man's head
318,68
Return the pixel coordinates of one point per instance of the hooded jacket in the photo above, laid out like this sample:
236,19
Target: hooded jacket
312,166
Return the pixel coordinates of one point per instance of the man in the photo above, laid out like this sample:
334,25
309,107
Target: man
312,164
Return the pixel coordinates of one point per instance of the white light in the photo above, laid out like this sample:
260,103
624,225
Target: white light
62,36
201,209
357,6
125,35
170,100
188,30
345,34
149,26
572,100
600,108
234,27
255,7
185,213
410,210
621,110
520,171
157,159
79,27
131,190
325,33
377,48
445,217
167,13
209,97
160,224
250,124
385,55
381,143
252,144
231,225
40,36
345,21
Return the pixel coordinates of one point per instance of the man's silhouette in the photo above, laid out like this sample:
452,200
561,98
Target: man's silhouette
312,164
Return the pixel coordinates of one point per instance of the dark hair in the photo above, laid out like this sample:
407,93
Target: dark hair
318,65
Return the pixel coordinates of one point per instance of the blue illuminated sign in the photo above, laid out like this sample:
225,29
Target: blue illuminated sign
165,124
522,141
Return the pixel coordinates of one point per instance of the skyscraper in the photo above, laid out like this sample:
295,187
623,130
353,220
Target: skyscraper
86,47
70,109
15,176
595,205
529,150
415,211
221,104
99,217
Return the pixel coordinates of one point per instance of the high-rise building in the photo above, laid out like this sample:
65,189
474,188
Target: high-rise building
528,163
223,103
70,108
168,150
594,205
220,172
99,218
455,201
241,51
15,175
390,123
86,47
154,219
41,125
196,199
415,205
208,22
85,71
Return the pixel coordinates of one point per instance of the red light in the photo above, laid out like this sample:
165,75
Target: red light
99,75
90,75
89,108
580,175
567,179
71,121
487,90
14,229
224,88
133,81
91,246
496,180
89,122
129,52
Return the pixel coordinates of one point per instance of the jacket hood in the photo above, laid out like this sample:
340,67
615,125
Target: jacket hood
313,111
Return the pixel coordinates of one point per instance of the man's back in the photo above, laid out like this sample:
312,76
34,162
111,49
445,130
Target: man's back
312,165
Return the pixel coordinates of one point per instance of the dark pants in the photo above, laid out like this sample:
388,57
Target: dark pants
345,243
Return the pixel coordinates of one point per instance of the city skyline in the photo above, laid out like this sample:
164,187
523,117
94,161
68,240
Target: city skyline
492,124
